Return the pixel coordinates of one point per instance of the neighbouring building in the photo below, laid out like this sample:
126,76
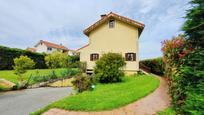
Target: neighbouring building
113,33
48,47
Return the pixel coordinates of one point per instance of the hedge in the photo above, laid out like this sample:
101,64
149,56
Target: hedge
153,65
8,54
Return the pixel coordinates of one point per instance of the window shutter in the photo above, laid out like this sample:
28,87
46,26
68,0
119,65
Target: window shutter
91,57
134,56
97,56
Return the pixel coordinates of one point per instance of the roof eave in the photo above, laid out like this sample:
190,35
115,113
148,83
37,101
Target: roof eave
118,17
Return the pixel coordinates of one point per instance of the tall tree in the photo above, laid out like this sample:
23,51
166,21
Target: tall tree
193,64
194,25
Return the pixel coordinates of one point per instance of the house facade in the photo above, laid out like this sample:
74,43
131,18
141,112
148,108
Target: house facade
113,33
48,47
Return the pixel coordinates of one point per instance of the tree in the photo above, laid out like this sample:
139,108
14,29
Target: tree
193,69
56,60
184,61
194,25
109,68
21,65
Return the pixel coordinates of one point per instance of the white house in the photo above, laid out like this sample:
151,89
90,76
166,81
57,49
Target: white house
48,47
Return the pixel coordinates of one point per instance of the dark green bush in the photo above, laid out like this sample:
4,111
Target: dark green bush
109,68
8,54
82,83
73,61
155,65
193,81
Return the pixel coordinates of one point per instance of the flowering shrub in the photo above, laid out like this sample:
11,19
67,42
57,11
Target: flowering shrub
174,50
184,63
173,53
184,70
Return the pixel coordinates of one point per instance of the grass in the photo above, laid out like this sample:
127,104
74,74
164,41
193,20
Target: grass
107,96
10,76
167,111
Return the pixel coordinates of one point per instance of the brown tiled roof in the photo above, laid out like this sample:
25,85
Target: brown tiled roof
139,25
52,45
31,49
82,47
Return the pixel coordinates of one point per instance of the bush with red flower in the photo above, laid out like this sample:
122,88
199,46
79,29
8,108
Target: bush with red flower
184,70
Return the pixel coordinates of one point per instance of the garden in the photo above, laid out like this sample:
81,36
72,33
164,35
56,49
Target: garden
107,96
26,72
108,79
108,88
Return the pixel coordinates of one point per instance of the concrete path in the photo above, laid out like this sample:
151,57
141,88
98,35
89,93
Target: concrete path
25,101
149,105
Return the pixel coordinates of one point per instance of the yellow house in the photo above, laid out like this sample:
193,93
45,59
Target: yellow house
113,33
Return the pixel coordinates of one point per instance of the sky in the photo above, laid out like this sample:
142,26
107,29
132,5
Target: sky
24,22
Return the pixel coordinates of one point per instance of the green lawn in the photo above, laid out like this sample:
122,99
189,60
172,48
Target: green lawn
9,74
167,111
107,96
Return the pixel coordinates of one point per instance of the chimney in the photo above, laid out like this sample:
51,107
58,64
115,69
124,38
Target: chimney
103,15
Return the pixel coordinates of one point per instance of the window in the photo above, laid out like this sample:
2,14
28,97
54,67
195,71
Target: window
130,56
49,49
94,57
111,23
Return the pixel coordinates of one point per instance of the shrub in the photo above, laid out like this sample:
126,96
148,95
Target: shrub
7,55
194,62
172,49
82,67
70,72
73,59
82,83
193,81
22,64
153,65
184,70
56,60
109,68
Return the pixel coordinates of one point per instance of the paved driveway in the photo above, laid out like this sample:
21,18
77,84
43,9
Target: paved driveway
25,101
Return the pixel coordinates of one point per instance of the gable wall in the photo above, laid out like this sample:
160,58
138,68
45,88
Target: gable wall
121,39
41,48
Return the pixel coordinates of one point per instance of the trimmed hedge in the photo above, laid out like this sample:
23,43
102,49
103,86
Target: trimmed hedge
8,54
155,65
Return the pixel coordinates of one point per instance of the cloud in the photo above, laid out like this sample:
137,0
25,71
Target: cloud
23,23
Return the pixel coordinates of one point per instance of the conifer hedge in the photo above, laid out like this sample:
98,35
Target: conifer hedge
8,54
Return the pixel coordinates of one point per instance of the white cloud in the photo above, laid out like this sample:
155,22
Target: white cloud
147,5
